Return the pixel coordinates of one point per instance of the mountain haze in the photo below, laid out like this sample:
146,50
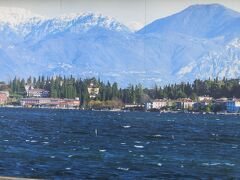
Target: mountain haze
202,41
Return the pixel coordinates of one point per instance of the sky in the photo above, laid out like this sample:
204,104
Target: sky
133,13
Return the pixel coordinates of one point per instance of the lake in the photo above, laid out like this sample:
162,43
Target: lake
72,144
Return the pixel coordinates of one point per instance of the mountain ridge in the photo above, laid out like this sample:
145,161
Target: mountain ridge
193,18
91,44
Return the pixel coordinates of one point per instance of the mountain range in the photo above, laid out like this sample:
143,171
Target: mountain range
202,41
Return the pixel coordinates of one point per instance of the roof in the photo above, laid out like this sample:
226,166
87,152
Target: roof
160,100
184,100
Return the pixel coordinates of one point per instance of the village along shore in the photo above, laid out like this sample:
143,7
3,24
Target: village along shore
93,94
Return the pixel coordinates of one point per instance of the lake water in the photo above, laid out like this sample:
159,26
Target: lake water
69,144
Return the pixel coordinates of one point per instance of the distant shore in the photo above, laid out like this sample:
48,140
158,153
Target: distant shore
123,110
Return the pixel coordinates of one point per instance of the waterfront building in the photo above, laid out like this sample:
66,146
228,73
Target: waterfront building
159,103
50,102
3,98
70,103
233,106
184,103
170,103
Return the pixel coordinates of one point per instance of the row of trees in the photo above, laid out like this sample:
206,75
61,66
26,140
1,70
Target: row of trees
70,87
215,88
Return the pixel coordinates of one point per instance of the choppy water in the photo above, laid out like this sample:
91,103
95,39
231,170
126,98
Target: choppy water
58,144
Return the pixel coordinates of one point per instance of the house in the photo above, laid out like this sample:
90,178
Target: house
70,103
50,102
93,91
170,103
184,103
159,103
3,98
32,92
233,106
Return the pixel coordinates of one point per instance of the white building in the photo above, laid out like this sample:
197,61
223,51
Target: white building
37,93
31,92
159,103
50,102
184,103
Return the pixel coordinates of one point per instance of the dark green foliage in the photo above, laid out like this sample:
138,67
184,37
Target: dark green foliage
69,87
17,86
215,88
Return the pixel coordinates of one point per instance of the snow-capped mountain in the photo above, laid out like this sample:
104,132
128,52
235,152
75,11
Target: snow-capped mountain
20,21
202,41
75,24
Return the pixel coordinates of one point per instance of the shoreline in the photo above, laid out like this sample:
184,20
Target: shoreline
122,110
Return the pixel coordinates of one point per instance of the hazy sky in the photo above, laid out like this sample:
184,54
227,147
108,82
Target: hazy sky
130,12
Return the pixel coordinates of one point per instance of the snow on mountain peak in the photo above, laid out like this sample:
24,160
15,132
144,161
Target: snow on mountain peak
15,16
24,22
72,16
90,19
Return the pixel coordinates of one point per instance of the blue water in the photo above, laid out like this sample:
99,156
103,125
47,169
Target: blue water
69,144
